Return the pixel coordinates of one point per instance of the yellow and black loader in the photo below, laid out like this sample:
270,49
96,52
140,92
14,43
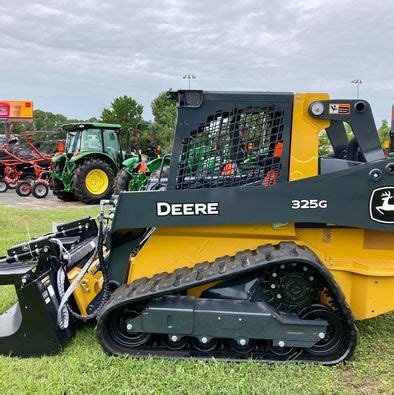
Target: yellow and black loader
250,246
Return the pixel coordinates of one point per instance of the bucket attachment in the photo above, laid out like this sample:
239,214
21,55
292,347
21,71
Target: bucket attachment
30,327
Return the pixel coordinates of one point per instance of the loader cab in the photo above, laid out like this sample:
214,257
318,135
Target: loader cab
245,139
231,139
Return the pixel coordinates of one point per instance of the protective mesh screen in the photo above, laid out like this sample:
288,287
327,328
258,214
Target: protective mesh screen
240,148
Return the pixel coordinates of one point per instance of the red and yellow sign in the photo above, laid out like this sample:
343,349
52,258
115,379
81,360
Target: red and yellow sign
16,110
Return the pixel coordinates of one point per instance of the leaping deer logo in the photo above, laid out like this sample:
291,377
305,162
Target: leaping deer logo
386,206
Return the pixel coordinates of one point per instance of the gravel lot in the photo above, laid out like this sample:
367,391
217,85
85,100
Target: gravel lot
11,199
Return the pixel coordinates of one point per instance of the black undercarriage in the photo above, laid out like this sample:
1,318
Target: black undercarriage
273,304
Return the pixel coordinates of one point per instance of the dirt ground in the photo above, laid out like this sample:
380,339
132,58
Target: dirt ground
11,199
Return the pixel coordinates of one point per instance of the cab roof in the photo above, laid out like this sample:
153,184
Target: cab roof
68,127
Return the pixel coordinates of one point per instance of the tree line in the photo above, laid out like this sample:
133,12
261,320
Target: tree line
127,112
124,110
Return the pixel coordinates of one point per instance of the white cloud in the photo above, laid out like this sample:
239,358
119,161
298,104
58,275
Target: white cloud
75,56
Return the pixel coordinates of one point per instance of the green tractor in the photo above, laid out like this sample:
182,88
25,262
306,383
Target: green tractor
136,170
86,170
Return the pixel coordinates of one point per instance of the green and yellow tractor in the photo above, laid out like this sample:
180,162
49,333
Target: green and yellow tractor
136,170
86,170
93,166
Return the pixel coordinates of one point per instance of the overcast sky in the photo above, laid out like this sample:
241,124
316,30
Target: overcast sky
74,56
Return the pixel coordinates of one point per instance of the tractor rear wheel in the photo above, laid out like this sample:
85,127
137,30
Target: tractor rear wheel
92,181
122,181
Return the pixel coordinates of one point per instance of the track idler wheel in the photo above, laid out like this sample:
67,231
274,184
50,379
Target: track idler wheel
335,337
120,328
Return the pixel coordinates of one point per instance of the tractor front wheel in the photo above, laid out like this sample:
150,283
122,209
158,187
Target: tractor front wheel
92,181
57,188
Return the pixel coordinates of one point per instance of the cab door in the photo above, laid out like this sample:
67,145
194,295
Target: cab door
112,146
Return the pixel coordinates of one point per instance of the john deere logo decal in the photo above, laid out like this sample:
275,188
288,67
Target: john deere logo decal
176,209
381,205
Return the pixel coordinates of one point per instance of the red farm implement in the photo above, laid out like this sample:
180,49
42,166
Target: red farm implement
26,169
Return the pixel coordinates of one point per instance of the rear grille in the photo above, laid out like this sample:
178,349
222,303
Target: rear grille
240,148
326,236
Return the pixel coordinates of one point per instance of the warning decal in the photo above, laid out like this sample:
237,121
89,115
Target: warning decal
339,108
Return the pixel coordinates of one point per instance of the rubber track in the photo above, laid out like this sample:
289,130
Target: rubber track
224,268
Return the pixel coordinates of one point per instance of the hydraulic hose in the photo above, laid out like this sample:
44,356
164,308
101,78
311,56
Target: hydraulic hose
64,308
62,312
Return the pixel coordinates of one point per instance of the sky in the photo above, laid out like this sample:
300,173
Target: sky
73,57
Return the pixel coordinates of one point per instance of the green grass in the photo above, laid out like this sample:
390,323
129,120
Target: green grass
83,366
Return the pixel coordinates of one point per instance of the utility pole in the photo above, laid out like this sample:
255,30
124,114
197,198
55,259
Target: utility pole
357,82
189,77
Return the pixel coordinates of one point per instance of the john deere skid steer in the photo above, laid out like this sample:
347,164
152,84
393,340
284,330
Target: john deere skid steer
266,251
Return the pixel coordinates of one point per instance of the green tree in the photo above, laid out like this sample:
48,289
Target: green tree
325,147
164,113
125,111
93,120
42,120
384,131
324,144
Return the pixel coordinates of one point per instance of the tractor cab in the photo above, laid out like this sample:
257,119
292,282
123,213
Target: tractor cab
93,137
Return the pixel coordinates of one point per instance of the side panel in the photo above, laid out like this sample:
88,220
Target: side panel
340,198
170,248
362,263
364,273
85,155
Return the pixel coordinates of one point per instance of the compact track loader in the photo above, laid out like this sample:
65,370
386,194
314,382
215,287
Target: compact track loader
266,251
